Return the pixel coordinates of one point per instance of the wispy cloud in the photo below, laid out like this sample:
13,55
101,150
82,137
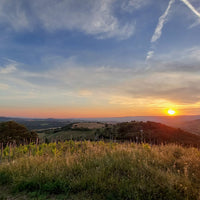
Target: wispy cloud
10,68
95,17
168,79
131,5
14,14
196,23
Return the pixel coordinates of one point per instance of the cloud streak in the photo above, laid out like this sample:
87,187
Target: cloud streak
191,7
8,69
158,31
162,20
149,55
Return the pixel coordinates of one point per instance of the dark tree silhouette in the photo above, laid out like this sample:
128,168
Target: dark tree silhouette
11,132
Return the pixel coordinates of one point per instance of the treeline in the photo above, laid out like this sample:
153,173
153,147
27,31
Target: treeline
149,132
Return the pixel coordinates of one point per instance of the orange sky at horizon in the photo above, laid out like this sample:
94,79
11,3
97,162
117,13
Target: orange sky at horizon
119,59
101,112
98,107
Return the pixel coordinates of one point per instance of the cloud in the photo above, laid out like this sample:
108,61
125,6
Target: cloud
10,68
94,17
178,88
149,55
4,86
163,19
168,79
161,22
14,14
191,7
158,31
91,17
131,5
186,60
196,23
85,93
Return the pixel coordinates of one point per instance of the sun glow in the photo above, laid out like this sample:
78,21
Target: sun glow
171,112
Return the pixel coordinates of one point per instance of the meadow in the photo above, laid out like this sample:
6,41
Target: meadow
99,170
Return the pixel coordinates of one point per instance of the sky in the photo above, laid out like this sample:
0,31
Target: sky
99,58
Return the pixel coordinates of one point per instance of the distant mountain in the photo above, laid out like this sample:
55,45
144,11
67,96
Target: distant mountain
5,119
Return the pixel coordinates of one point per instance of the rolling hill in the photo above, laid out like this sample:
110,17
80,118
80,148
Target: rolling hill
191,126
139,132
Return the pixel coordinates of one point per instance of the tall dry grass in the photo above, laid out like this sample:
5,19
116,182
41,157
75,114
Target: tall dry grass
98,170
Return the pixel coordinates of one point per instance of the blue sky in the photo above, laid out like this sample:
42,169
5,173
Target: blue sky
88,58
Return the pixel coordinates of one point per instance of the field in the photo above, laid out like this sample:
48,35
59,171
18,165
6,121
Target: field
63,135
71,134
98,170
89,125
75,131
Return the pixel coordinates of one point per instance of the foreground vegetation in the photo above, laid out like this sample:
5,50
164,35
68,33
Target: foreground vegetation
98,170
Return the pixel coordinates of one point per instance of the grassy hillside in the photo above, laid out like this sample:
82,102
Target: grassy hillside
73,131
150,132
98,170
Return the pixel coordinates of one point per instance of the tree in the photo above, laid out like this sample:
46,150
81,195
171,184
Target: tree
11,132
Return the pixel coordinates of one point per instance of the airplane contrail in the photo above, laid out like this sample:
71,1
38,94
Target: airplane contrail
163,19
191,7
161,22
149,54
158,31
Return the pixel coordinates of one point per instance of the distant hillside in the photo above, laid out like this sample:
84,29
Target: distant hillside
151,132
169,120
38,124
73,131
191,126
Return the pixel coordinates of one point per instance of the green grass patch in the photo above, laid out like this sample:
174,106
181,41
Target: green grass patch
68,135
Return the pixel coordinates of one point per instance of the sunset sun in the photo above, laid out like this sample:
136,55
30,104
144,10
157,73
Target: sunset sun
171,112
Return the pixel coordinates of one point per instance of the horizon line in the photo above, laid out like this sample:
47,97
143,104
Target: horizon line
98,117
